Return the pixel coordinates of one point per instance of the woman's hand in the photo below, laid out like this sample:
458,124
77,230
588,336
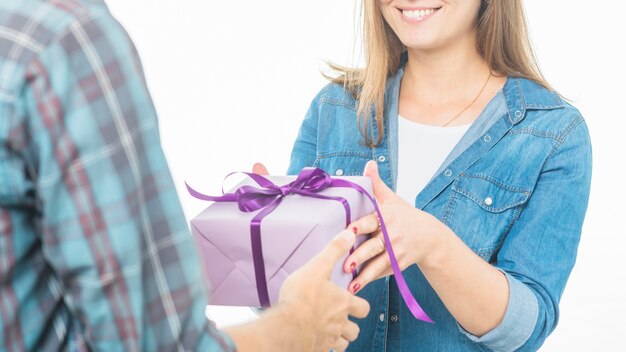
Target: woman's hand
411,231
259,169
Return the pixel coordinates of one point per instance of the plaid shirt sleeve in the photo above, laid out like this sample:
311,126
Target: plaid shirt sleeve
120,267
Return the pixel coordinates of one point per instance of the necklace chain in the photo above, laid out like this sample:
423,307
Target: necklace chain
470,104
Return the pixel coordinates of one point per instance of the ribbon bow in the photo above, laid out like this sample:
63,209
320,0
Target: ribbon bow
309,182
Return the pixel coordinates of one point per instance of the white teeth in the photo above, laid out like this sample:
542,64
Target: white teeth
417,14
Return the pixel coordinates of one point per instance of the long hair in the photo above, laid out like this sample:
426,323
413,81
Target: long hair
502,41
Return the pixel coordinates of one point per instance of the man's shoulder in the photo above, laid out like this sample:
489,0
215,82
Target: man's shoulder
31,25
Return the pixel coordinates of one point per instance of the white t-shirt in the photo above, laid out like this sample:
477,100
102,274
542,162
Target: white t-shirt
421,151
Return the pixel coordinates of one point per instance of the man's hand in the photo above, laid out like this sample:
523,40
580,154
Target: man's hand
318,305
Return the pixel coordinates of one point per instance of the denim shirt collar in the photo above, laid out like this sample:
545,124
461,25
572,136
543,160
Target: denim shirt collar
508,107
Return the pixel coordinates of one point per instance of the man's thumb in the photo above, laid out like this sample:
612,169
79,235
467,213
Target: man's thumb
381,191
338,247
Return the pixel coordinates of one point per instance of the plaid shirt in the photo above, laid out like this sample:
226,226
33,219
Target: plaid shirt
95,252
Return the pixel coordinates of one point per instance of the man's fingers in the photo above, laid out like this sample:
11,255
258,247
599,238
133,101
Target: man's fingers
337,248
340,345
259,169
359,308
350,331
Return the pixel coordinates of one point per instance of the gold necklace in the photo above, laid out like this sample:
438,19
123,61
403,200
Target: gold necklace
470,104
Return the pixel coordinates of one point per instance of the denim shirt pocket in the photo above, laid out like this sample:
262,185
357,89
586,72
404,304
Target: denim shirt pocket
346,163
482,210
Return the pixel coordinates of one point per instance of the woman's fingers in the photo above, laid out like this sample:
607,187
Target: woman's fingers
373,270
365,225
367,250
381,191
259,169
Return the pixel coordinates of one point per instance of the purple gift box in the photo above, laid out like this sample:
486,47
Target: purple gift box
290,234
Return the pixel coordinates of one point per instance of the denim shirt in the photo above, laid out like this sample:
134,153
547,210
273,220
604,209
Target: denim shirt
515,189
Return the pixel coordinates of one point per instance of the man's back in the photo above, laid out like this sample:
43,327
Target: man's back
94,249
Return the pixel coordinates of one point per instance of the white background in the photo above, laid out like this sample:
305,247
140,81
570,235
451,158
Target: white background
231,81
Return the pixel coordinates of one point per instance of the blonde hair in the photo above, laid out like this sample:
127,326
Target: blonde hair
502,40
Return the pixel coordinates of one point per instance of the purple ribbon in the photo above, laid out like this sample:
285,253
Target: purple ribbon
309,182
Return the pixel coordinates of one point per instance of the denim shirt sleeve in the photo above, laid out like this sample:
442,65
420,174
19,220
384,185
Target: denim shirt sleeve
540,250
518,322
304,150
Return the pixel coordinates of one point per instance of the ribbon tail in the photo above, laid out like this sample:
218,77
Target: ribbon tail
408,297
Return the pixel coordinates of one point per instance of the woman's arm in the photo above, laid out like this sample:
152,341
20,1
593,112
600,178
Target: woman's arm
513,303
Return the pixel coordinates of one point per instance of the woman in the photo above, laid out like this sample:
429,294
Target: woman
491,171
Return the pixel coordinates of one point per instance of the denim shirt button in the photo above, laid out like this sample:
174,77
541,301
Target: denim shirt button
381,317
394,318
381,159
487,138
339,172
518,113
448,173
488,201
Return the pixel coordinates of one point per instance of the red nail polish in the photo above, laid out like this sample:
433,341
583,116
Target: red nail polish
353,266
356,287
355,230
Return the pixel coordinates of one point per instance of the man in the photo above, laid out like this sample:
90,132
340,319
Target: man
95,253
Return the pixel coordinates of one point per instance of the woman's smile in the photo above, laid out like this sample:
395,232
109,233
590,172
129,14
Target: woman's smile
413,15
